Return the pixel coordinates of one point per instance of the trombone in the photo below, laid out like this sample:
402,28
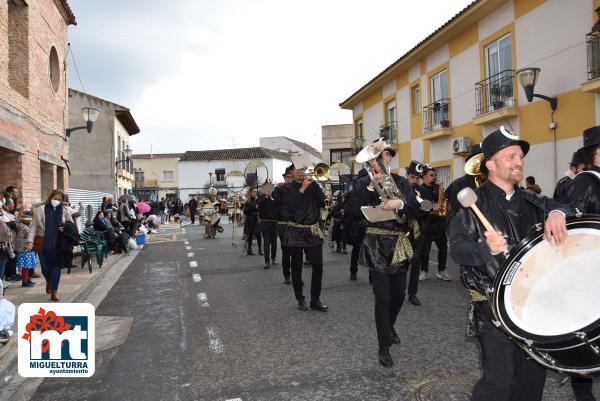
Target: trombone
319,172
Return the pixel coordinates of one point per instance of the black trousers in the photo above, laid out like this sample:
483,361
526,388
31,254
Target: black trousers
354,258
415,266
270,245
442,244
193,215
315,255
286,258
251,233
389,290
582,386
507,373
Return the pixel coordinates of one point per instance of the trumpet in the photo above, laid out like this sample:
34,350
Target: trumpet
319,172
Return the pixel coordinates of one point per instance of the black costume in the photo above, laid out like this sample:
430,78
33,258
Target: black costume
193,206
584,192
282,223
387,252
251,213
268,214
303,233
466,181
354,221
511,376
338,231
433,230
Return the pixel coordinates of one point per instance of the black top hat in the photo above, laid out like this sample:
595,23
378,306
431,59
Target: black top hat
578,157
474,150
288,170
426,168
412,168
591,137
500,139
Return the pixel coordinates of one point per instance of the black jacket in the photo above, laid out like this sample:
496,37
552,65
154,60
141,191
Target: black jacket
584,192
516,218
302,208
377,251
434,226
66,241
466,181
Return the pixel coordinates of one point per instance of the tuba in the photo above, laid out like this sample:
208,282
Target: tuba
473,167
386,188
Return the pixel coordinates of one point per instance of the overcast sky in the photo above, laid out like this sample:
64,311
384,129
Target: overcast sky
222,73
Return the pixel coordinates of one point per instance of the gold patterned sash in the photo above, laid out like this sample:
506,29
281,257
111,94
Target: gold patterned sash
476,296
315,229
403,250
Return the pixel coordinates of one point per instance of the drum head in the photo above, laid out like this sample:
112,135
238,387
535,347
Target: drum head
552,291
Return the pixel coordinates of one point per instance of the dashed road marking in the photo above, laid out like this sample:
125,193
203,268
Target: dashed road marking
234,399
186,242
202,297
190,254
193,263
189,248
215,345
197,278
183,230
199,249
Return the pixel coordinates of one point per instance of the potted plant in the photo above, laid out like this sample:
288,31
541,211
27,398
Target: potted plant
445,123
498,104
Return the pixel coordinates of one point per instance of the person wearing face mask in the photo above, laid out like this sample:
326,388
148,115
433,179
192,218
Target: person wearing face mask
45,231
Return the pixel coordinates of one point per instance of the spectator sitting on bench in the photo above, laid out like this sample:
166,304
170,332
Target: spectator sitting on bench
120,232
102,224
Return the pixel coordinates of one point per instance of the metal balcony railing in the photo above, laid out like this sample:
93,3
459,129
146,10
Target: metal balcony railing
593,55
146,183
436,115
388,132
495,92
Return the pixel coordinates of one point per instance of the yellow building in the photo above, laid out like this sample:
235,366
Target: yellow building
460,84
156,175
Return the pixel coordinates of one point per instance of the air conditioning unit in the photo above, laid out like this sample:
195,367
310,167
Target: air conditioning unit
461,145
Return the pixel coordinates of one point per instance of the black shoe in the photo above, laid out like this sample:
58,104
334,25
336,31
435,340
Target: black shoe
414,300
338,250
250,253
286,280
395,337
307,263
319,306
353,276
345,252
274,262
28,283
302,305
260,253
267,266
385,359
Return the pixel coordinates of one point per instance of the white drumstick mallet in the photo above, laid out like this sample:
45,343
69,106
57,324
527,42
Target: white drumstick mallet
467,198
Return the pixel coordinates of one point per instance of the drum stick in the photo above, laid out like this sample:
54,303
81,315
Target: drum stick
467,198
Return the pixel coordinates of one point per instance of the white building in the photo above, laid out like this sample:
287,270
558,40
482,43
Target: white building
198,170
289,145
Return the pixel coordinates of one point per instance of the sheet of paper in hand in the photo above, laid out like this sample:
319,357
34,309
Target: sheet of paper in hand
376,213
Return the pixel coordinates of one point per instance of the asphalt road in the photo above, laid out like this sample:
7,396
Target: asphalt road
223,328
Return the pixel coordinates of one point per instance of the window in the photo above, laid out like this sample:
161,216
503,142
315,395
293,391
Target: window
415,95
139,176
439,86
220,174
54,69
499,56
442,174
390,112
388,131
341,156
168,175
359,128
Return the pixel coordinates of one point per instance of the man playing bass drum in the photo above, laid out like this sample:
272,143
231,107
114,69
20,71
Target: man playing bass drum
508,375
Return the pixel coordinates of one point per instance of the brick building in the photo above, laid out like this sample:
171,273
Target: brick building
33,96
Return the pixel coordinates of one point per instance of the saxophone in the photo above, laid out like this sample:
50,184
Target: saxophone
442,202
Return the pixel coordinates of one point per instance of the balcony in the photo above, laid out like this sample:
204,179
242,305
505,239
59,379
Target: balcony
494,98
146,183
388,132
220,183
593,63
436,119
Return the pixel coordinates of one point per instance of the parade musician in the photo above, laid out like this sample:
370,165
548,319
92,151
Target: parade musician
268,214
507,372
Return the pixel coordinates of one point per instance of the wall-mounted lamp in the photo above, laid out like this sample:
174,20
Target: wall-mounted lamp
528,78
89,116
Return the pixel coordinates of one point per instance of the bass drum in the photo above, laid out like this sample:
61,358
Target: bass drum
547,298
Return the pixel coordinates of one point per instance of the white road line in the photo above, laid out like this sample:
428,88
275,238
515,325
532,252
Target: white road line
196,277
190,254
215,345
189,248
199,249
234,399
186,242
183,230
202,297
193,263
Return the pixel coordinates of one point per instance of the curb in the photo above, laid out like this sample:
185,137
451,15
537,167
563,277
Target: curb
93,291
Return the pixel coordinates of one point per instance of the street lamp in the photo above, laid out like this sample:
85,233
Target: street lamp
528,78
89,116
